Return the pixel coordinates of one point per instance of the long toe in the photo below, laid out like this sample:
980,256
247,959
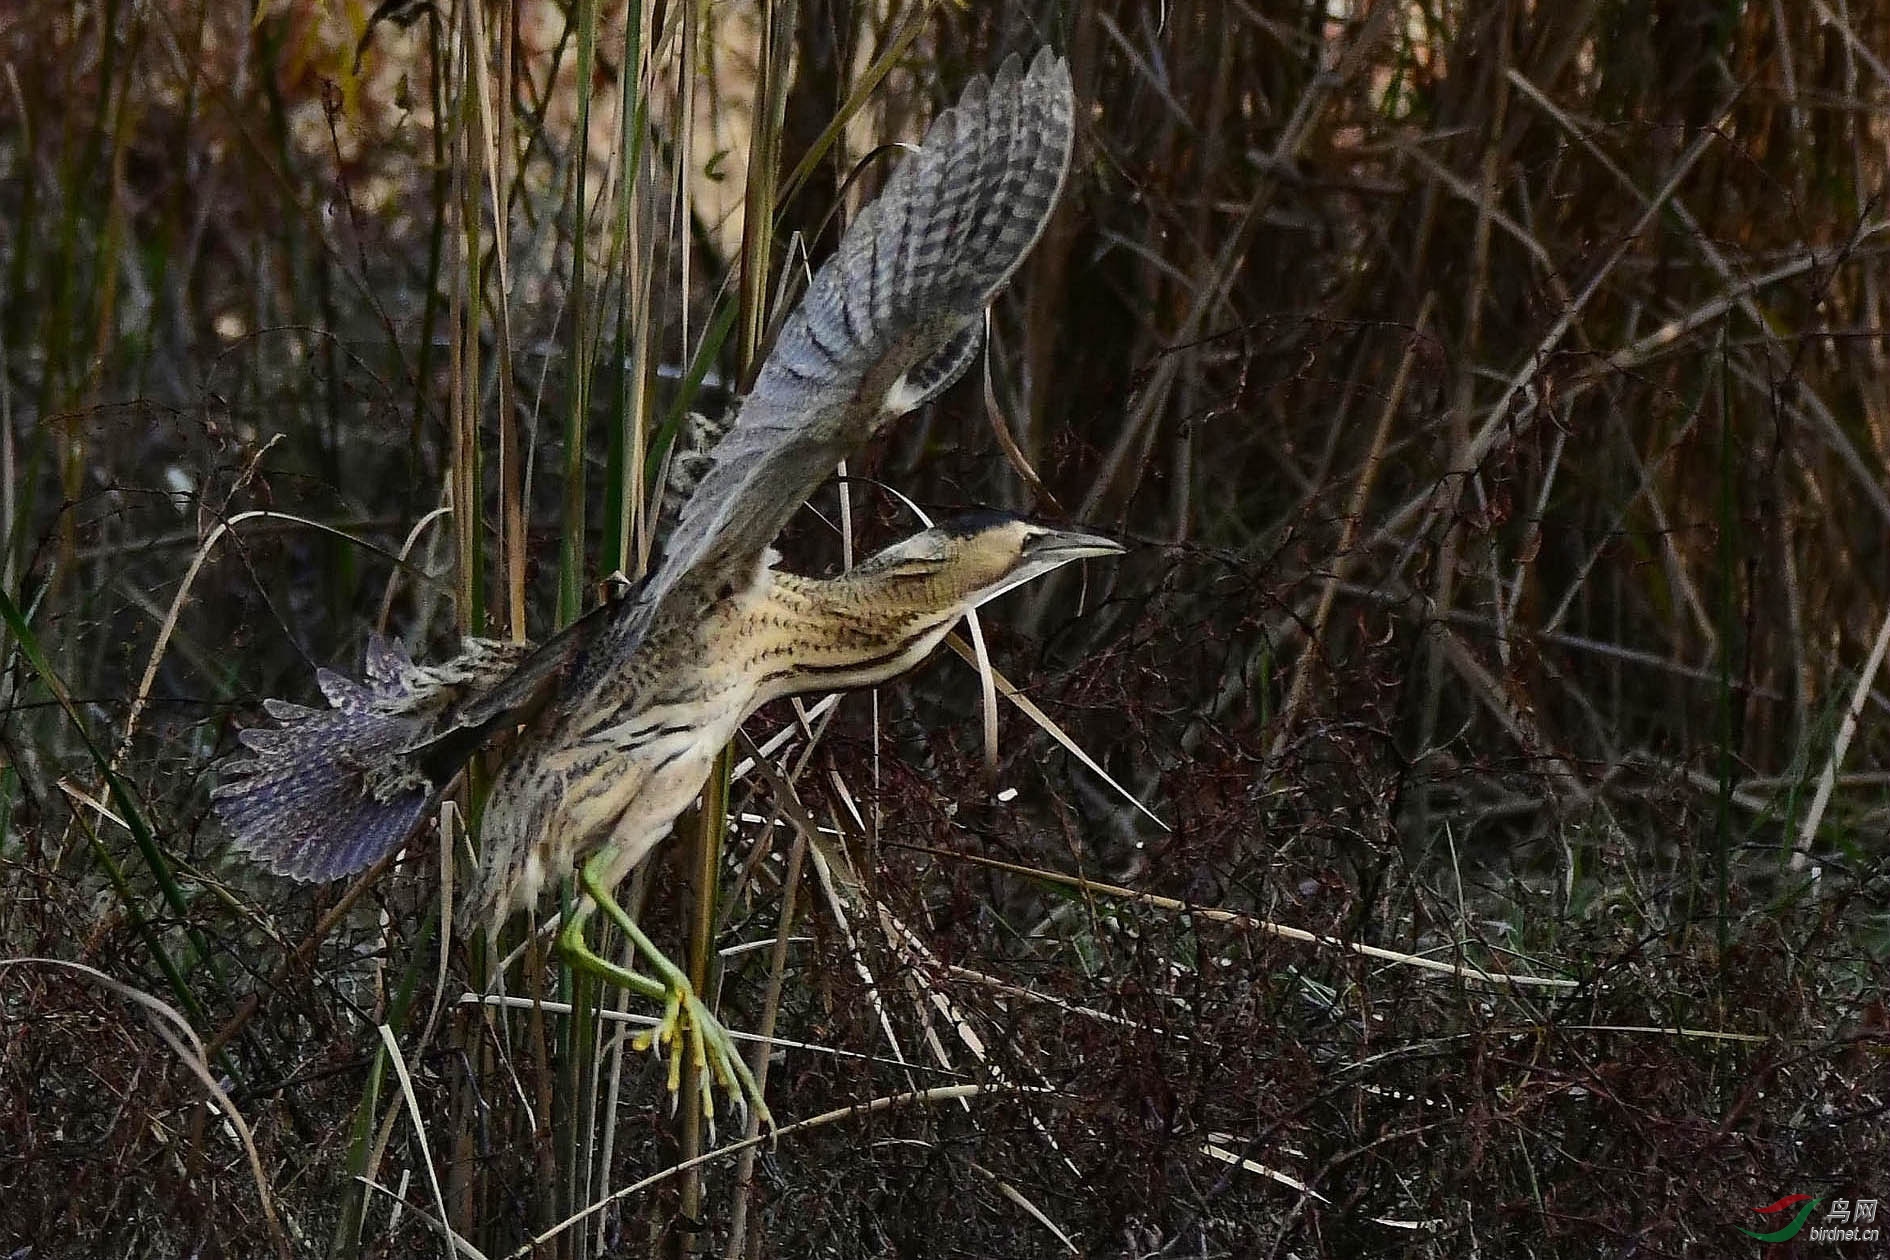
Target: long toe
724,1059
676,1038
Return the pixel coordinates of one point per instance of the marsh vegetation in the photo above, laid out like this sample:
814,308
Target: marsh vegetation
1477,843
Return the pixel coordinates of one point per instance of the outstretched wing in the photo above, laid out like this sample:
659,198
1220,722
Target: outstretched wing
892,318
331,791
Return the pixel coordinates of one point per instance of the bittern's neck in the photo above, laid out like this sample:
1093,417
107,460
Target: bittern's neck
849,631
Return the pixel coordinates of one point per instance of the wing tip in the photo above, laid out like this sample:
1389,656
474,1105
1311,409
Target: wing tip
1046,80
321,797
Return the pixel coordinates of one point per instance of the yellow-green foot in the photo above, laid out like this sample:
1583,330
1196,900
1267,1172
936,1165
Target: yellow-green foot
713,1054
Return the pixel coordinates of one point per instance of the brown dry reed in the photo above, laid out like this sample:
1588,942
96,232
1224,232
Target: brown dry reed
1496,394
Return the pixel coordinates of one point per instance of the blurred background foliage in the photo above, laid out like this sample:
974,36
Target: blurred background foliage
1495,394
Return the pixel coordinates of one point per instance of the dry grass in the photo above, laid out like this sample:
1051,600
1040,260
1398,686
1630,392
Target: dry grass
1497,395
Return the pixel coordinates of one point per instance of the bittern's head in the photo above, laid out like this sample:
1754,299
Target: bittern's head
884,615
964,562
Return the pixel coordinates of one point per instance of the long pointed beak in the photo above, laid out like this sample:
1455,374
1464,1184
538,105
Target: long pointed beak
1064,545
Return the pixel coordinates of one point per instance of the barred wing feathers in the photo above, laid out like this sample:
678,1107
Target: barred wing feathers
892,318
332,791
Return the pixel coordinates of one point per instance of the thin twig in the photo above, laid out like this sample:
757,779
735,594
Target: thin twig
1853,712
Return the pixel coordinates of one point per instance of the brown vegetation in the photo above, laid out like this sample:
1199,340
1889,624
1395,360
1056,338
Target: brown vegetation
1497,396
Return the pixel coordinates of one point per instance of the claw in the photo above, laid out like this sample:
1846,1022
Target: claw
713,1054
689,1026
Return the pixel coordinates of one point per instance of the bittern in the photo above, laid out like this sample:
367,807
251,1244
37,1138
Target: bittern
620,716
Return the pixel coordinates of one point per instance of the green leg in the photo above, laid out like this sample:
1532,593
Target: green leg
583,957
710,1046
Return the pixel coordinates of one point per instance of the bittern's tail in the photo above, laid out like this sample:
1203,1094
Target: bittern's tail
332,791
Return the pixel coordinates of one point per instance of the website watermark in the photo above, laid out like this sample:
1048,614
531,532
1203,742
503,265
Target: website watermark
1843,1220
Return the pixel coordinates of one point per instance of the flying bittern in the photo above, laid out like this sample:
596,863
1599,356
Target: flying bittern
623,712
